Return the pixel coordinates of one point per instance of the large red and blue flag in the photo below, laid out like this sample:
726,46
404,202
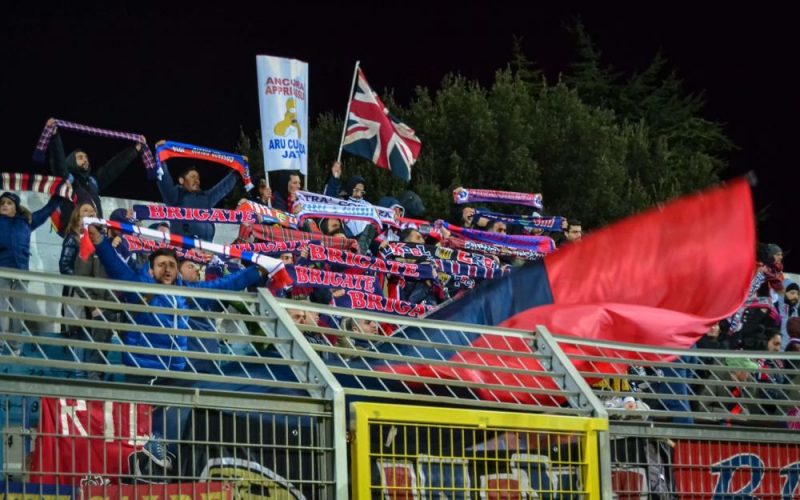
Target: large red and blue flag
660,278
374,133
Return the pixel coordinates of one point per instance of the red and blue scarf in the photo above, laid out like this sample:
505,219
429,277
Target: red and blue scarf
233,161
526,221
216,215
50,130
274,267
462,196
539,244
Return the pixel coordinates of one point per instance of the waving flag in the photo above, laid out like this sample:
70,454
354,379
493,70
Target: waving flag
373,133
659,278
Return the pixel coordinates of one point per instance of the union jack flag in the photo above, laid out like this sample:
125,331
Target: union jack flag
373,133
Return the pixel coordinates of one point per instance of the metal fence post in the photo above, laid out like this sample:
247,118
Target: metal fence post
573,381
318,372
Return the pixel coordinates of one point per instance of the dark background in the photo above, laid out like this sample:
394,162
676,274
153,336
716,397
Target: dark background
187,72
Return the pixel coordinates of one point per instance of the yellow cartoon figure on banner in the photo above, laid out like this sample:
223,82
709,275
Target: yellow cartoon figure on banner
289,120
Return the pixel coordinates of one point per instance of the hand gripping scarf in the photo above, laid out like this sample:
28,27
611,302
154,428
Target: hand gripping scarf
160,212
463,196
540,244
526,221
180,150
48,184
274,267
50,130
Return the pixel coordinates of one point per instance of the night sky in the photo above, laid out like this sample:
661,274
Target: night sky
188,73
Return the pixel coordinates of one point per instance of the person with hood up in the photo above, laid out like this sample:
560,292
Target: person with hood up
78,170
355,190
189,194
16,225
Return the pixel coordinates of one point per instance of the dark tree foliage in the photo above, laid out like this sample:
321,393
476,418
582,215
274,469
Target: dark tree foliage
598,144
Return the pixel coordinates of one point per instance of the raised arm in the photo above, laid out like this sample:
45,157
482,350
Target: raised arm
114,266
223,187
109,172
234,281
58,160
167,188
40,216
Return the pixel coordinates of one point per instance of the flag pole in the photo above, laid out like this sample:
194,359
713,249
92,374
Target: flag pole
347,112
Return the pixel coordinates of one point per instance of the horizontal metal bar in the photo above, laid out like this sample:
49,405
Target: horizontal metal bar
698,432
450,382
164,395
460,402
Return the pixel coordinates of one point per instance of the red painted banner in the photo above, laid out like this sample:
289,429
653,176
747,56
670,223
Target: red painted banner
733,469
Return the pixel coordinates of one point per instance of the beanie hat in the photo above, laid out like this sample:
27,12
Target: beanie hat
13,197
121,215
743,363
413,204
352,182
792,286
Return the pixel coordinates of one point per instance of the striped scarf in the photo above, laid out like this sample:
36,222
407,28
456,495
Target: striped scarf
279,234
48,184
489,249
755,284
525,221
350,260
476,272
180,150
411,250
317,278
370,302
271,247
218,215
270,215
386,216
462,196
539,244
50,130
314,210
138,244
274,267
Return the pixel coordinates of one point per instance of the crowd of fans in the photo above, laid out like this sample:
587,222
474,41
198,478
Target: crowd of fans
768,321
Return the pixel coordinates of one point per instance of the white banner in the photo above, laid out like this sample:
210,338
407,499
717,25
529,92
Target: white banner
283,100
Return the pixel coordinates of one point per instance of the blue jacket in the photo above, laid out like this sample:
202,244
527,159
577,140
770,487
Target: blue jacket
177,196
117,269
15,235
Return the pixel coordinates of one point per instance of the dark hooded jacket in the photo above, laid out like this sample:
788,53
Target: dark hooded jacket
87,185
176,196
15,234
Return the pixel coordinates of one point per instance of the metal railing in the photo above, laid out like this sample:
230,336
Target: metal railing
690,386
390,358
250,354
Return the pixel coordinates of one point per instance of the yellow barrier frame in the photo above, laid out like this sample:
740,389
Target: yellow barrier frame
363,414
